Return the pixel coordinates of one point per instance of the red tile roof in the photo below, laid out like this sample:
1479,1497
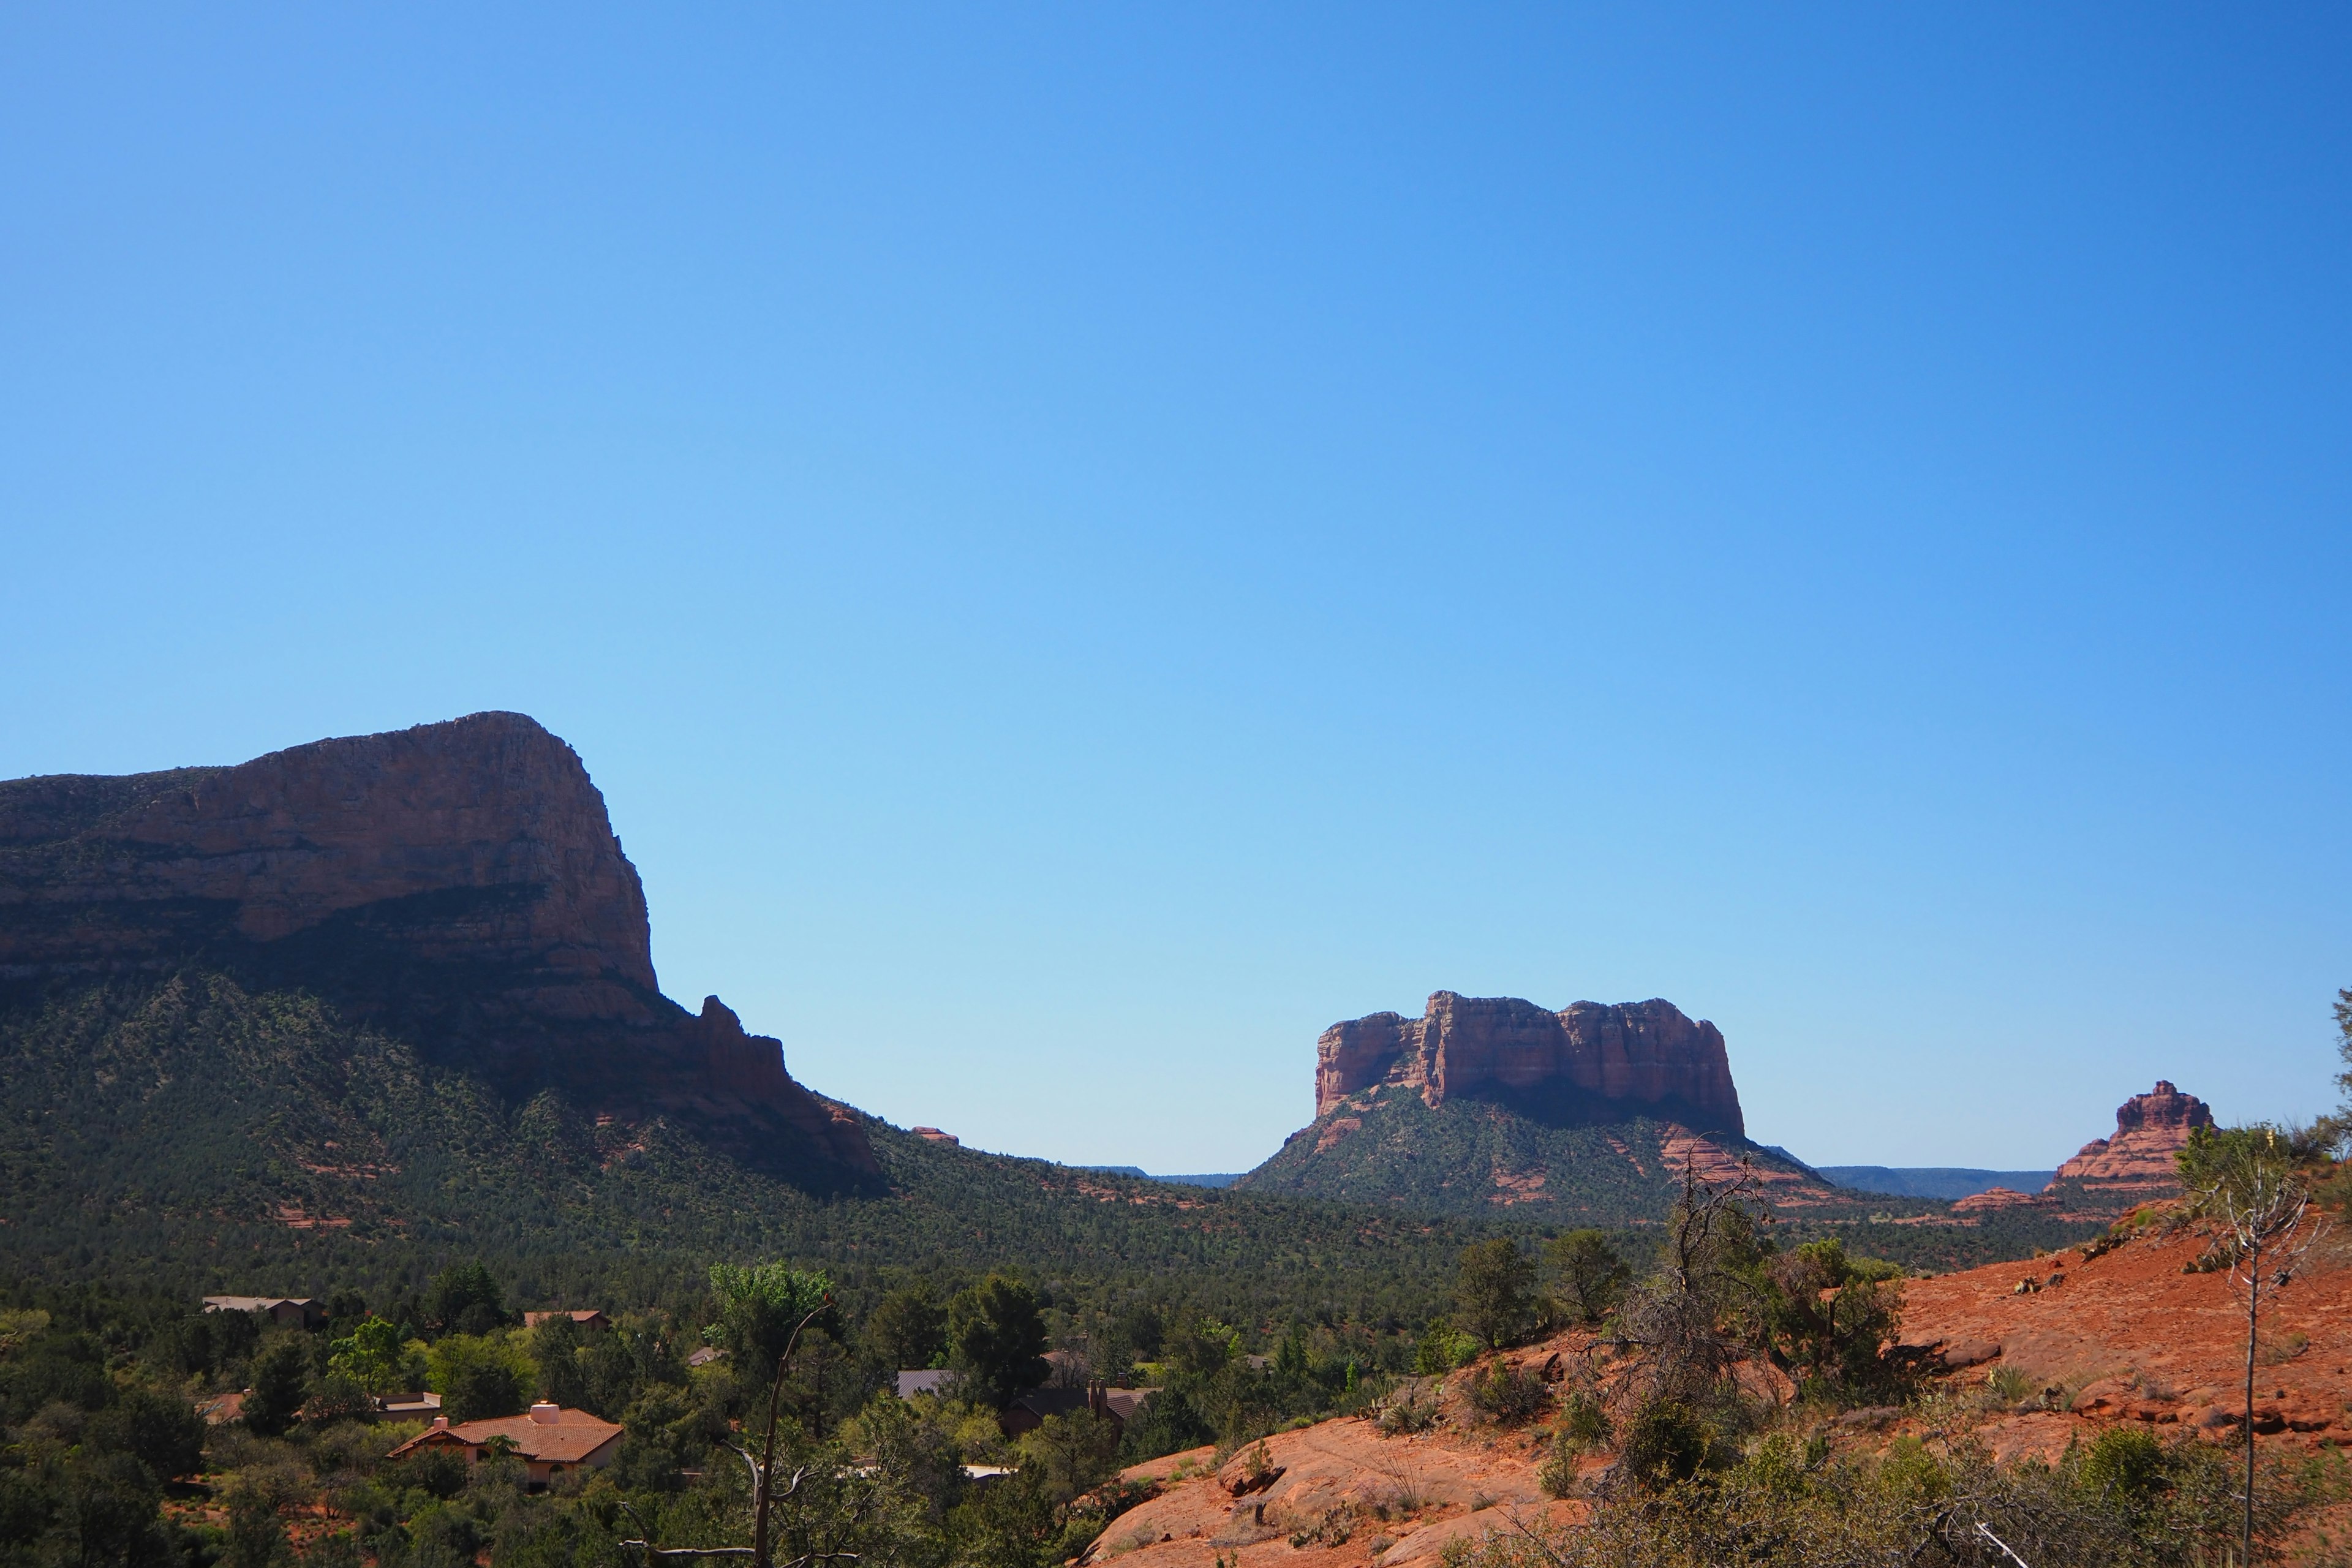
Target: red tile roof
564,1437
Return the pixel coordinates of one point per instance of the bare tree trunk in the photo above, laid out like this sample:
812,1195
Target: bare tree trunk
2253,1320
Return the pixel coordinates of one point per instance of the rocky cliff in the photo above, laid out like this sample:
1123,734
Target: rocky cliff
458,883
1579,1063
2150,1129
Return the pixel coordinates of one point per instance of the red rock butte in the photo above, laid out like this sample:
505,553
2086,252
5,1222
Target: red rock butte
458,883
2150,1129
1635,1056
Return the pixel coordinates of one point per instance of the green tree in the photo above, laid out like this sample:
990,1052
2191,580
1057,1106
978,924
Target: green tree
1491,1300
161,1431
465,1299
2246,1178
372,1356
1828,1318
480,1377
1071,1455
908,1328
996,1338
759,1307
281,1381
1588,1275
2344,1043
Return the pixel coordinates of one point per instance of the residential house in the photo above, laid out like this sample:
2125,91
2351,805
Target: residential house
930,1380
590,1319
1028,1411
550,1441
299,1311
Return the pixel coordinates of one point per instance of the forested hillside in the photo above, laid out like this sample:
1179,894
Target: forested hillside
1475,1159
187,1130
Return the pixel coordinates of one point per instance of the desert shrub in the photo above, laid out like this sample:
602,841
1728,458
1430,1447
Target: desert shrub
1493,1293
437,1470
1508,1394
1829,1318
1666,1442
2134,1503
2124,1462
1412,1408
2007,1387
1589,1278
1442,1348
1582,1424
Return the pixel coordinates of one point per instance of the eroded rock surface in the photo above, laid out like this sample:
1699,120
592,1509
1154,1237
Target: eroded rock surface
1633,1055
457,883
2150,1129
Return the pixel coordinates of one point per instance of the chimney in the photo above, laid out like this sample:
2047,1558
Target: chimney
440,1423
545,1414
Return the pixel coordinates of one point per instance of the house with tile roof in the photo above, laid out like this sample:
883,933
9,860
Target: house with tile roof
300,1311
589,1318
549,1440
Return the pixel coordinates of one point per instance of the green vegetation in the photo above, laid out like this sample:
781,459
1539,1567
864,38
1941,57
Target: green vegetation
996,1340
1493,1300
1783,1500
103,1457
185,1134
1477,1161
1589,1277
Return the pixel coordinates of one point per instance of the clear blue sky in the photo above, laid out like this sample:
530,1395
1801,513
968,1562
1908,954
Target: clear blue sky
1085,544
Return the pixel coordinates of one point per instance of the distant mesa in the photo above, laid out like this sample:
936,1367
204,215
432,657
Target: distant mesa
457,883
1595,1112
1946,1182
2150,1129
933,1135
1583,1062
1994,1199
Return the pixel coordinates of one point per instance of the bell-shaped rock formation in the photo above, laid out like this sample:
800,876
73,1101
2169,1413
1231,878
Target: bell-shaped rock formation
458,883
1584,1062
2150,1129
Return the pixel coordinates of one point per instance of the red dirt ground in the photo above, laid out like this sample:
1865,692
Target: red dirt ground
2125,1336
2129,1336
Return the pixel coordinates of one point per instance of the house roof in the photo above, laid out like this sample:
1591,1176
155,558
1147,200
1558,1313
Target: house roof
257,1303
560,1437
931,1380
587,1315
1124,1403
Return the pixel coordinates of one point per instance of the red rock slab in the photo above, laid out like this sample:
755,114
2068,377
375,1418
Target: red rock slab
2128,1336
1341,1469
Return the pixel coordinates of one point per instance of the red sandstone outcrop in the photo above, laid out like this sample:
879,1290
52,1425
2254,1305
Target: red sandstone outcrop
1637,1054
98,873
2150,1129
1997,1198
460,882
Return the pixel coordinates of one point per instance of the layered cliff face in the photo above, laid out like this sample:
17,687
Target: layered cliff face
459,883
2150,1129
1584,1061
1592,1114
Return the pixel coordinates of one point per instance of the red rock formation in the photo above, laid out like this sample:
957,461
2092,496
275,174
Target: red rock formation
98,873
1996,1198
460,882
2150,1129
1639,1054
